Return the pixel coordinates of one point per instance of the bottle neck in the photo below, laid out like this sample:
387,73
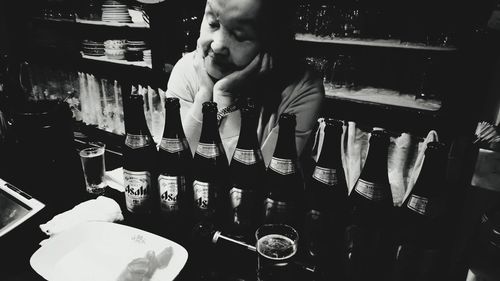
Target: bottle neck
248,133
330,156
375,168
173,126
285,145
210,129
432,176
137,121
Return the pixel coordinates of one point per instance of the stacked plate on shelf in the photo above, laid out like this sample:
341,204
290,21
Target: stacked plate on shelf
115,11
134,50
93,48
147,56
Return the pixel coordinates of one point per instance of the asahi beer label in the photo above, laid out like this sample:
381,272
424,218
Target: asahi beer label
170,186
371,191
173,145
137,141
201,191
282,166
208,150
137,189
325,175
275,209
418,204
247,156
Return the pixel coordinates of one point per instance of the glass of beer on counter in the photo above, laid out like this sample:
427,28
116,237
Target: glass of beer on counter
92,157
276,247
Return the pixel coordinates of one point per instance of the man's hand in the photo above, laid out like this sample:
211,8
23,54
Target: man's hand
205,92
229,87
206,83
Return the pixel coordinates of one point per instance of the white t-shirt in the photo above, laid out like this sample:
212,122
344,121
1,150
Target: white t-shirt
302,97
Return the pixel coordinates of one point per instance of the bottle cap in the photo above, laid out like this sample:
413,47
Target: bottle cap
249,107
209,106
435,145
333,125
172,102
379,134
288,118
247,102
136,98
333,122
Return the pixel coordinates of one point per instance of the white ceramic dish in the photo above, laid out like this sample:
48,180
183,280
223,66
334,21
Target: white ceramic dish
100,251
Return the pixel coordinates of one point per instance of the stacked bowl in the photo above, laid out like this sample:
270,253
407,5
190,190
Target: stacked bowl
147,56
93,48
115,49
135,50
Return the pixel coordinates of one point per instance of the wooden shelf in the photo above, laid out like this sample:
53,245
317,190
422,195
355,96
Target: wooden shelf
372,42
122,62
138,25
372,107
384,98
116,24
54,19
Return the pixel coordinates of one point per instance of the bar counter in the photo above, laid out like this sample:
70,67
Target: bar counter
206,261
61,187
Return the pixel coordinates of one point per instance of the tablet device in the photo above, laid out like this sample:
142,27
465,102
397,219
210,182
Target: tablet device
16,206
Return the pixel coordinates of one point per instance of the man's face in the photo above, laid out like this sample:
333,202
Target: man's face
228,35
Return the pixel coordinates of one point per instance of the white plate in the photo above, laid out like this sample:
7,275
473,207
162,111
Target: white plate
100,251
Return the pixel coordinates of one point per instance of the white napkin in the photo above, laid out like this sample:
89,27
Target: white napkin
114,179
100,209
406,155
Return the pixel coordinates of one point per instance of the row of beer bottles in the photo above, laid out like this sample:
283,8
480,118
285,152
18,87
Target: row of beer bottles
239,196
206,187
362,235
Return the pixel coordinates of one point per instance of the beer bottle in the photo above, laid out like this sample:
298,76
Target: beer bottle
370,235
210,169
283,182
246,174
174,158
327,205
138,155
423,221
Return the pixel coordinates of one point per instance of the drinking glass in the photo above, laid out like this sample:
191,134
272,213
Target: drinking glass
341,72
93,164
320,65
276,247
